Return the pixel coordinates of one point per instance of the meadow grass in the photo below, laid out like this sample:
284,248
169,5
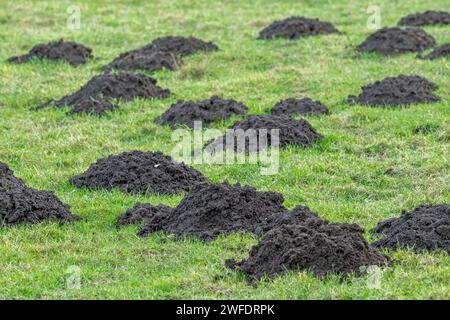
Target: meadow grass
369,167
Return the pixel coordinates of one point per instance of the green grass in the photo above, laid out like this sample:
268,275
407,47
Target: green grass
370,165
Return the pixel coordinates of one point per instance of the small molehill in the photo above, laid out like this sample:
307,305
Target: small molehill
312,245
178,45
293,106
96,96
139,172
206,111
439,52
396,91
425,18
20,204
147,60
249,134
427,227
296,27
142,212
389,41
71,52
210,210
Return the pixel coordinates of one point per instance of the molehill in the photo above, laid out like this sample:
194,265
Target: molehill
425,18
296,27
293,106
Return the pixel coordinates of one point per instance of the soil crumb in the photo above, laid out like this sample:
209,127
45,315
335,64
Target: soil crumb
438,52
296,27
248,135
20,204
427,227
397,91
71,52
139,172
142,212
206,111
96,96
425,18
388,41
313,245
304,106
210,210
147,60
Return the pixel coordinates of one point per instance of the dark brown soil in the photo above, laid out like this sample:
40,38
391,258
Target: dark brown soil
427,227
183,46
425,18
389,41
397,91
313,245
147,60
20,204
68,51
139,172
206,111
439,52
293,106
296,27
141,213
96,96
210,210
291,131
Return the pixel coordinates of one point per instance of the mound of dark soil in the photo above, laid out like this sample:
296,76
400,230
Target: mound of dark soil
395,91
142,212
388,41
20,204
71,52
139,172
296,27
313,245
439,52
425,18
210,210
183,46
147,60
96,95
293,106
296,132
206,111
427,227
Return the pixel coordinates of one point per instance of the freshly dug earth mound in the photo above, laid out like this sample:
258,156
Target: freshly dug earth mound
142,212
296,132
296,27
183,46
206,111
314,245
425,18
147,60
210,210
293,106
20,204
427,227
96,95
388,41
71,52
439,52
395,91
139,172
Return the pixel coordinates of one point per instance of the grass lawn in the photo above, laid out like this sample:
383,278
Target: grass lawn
369,167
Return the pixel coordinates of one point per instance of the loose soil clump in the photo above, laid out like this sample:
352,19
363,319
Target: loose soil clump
427,227
439,52
139,172
313,245
210,210
182,46
206,111
425,18
96,96
388,41
71,52
396,91
258,127
20,204
142,212
296,27
293,106
147,60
